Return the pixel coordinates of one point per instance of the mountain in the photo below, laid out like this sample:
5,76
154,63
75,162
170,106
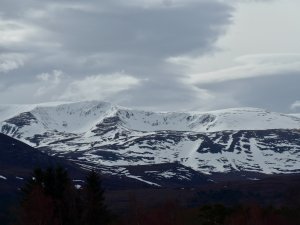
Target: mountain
159,147
295,115
18,160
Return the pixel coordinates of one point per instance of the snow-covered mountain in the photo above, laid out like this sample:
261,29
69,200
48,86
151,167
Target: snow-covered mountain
83,116
100,134
295,115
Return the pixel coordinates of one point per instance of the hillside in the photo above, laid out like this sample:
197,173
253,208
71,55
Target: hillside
122,141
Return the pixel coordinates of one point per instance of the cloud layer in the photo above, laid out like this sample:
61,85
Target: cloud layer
124,43
146,54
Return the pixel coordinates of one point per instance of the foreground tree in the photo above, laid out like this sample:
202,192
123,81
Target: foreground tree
50,198
94,210
38,209
44,198
213,214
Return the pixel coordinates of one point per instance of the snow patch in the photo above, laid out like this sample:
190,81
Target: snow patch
3,177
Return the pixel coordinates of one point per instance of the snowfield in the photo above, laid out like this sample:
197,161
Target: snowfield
84,116
100,133
3,177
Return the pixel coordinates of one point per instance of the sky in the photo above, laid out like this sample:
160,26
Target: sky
167,55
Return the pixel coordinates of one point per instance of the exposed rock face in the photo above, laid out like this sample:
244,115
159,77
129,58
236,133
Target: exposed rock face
99,134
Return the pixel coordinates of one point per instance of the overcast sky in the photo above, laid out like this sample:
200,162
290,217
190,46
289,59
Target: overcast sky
152,54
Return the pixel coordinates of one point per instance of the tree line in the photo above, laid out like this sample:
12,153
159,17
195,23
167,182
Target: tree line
50,198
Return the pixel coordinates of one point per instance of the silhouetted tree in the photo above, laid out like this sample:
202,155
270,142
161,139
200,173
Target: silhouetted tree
94,209
255,214
213,214
38,209
49,197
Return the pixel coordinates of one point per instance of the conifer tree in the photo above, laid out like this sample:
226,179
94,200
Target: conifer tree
94,209
49,197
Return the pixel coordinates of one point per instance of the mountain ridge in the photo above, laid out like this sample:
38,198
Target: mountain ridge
100,134
228,119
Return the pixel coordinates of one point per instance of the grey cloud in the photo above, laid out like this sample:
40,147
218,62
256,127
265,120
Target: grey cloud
160,95
151,32
10,62
295,105
105,37
277,92
138,39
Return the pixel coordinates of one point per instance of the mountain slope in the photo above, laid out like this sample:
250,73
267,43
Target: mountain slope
84,116
100,134
17,160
